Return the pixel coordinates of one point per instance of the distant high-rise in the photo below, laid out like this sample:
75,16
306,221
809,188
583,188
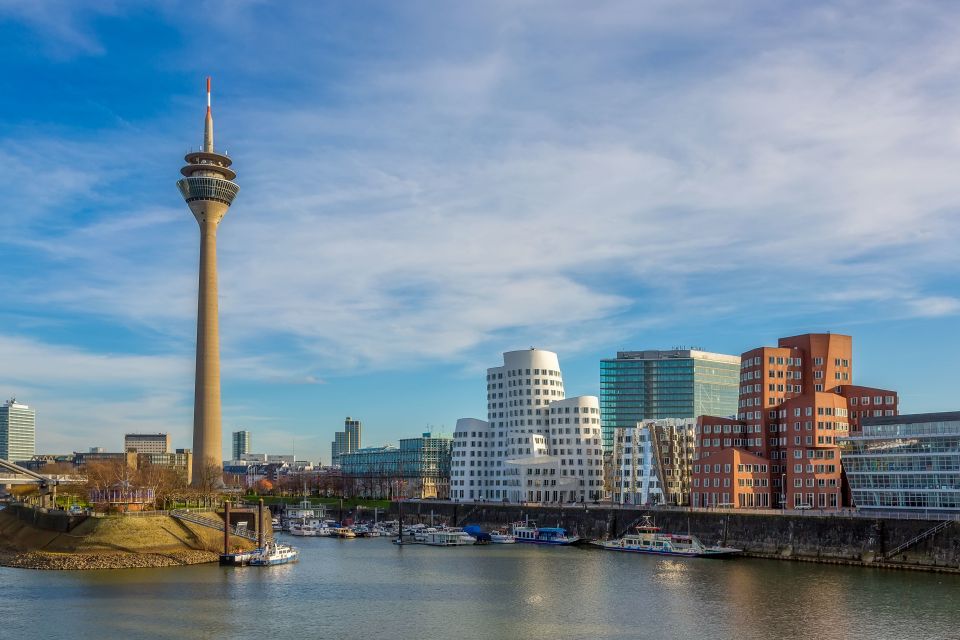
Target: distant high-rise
241,444
209,190
346,441
18,431
147,442
677,383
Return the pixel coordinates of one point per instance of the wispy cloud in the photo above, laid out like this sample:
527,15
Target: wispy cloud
519,173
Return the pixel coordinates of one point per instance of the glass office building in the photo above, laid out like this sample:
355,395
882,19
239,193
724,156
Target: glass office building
654,385
419,468
906,462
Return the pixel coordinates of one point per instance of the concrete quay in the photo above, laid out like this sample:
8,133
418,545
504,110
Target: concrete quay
831,539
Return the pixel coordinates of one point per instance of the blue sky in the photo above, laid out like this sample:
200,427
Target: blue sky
426,184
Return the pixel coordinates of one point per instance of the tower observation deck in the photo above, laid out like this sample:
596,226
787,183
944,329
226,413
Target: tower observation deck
209,190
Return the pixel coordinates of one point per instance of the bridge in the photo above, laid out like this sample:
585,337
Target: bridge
14,474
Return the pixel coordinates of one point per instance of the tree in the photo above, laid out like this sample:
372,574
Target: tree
264,486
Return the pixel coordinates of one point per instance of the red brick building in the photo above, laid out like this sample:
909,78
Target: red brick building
795,400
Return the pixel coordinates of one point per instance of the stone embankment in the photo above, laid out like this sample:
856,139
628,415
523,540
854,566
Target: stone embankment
121,560
830,539
41,540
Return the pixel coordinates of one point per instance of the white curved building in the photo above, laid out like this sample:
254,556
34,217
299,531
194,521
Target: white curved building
536,445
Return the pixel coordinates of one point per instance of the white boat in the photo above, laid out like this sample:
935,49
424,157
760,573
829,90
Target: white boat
309,528
499,537
448,538
420,535
274,553
650,540
305,511
529,532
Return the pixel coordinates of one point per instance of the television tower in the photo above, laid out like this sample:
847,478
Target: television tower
208,188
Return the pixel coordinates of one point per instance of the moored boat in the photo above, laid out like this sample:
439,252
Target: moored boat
499,537
342,532
272,554
448,538
648,538
530,533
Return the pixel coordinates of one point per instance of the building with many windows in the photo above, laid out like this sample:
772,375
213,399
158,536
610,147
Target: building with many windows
147,442
653,462
418,468
241,445
345,441
536,445
797,400
18,431
653,385
906,462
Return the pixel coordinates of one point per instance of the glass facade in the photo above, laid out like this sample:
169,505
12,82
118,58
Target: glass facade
653,385
420,468
907,462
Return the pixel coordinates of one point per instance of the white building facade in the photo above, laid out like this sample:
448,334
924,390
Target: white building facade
18,431
536,445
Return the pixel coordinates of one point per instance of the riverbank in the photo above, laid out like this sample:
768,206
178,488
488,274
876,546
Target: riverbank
45,541
825,539
43,560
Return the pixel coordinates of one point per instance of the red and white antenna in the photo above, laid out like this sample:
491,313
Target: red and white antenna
208,94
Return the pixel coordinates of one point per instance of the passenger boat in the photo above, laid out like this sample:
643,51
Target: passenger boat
420,535
274,553
530,533
499,537
343,532
448,538
649,539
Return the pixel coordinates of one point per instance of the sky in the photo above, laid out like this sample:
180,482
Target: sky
424,185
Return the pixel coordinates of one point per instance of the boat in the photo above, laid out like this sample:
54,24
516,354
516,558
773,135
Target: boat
448,538
529,532
274,553
342,532
649,539
420,535
499,537
238,559
305,511
309,528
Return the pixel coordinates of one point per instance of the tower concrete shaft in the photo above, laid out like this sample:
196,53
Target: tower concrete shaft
208,189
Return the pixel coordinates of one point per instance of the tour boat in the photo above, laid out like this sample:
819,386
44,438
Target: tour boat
273,553
343,532
499,537
649,539
420,535
530,533
306,510
448,538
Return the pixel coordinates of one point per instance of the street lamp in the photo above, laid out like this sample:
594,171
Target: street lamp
783,491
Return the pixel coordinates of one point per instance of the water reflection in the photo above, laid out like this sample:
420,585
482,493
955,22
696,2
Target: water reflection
358,588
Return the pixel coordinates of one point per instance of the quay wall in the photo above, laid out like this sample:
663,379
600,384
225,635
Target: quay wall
829,539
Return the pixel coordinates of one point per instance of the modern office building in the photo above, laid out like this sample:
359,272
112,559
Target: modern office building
677,383
207,187
18,431
796,401
536,445
653,462
906,462
147,442
241,445
418,468
346,441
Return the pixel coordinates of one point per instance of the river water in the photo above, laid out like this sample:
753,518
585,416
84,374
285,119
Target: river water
369,588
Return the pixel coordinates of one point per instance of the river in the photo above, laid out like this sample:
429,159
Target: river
369,588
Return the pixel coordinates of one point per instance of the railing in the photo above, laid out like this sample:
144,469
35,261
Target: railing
918,539
213,523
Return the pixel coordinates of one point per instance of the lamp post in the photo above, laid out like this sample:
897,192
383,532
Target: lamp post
783,492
